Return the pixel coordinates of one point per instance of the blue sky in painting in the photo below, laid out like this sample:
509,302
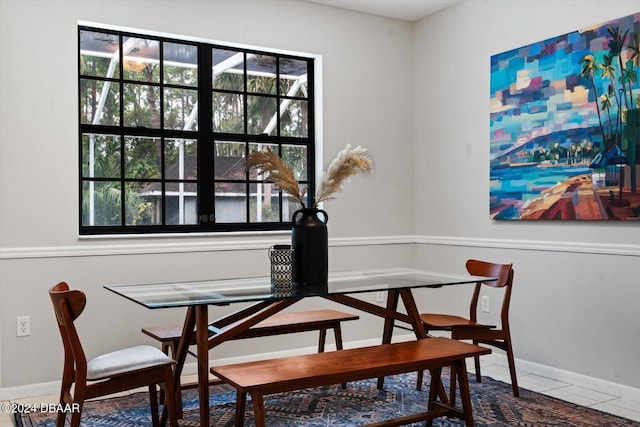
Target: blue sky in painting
538,96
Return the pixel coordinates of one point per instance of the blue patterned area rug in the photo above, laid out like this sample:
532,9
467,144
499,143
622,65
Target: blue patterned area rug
361,403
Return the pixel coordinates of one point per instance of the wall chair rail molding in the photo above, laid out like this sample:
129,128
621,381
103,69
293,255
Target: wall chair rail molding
210,245
534,245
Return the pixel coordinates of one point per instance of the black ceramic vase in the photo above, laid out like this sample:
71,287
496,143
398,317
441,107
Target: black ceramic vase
310,243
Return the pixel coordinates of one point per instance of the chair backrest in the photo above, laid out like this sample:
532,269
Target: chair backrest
68,305
504,274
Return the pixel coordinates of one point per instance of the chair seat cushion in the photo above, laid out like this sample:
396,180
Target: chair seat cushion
125,361
447,321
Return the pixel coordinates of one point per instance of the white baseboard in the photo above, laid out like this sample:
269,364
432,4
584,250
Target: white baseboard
580,380
608,387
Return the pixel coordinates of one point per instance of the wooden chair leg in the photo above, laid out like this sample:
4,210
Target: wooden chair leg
512,368
166,348
170,402
78,397
75,417
476,361
62,416
153,401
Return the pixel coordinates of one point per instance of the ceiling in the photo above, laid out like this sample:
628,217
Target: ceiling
407,10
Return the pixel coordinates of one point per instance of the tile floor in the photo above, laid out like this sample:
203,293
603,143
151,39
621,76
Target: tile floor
495,368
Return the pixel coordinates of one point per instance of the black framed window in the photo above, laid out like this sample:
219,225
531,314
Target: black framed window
165,126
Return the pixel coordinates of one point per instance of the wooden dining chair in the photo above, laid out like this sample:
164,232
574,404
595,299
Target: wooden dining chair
462,328
109,373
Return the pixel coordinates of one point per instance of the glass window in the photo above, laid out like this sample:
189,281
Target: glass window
166,125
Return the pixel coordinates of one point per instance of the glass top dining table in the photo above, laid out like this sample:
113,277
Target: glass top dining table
266,299
251,289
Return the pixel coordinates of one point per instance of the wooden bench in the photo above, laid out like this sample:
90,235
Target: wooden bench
278,324
321,369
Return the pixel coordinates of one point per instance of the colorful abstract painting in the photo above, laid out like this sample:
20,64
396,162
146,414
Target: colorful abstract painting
564,126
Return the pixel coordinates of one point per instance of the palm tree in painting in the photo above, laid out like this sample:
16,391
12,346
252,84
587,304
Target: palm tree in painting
589,71
609,70
616,44
606,104
634,61
630,76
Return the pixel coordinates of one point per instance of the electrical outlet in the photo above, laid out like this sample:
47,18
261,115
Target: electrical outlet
380,296
485,304
23,326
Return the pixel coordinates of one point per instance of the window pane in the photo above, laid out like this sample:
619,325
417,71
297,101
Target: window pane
141,106
261,74
229,160
293,77
264,205
142,157
141,59
296,157
181,203
180,109
294,120
99,55
101,203
228,113
100,156
253,174
228,70
263,147
143,207
99,102
289,206
180,64
181,159
262,115
140,125
231,202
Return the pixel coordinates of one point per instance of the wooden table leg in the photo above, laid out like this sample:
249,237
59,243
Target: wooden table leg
202,343
412,310
418,328
181,355
389,322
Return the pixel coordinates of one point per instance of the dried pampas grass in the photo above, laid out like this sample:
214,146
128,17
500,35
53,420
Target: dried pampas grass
347,163
277,171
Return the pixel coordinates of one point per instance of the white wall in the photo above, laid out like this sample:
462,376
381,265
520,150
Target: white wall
576,298
387,66
366,62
